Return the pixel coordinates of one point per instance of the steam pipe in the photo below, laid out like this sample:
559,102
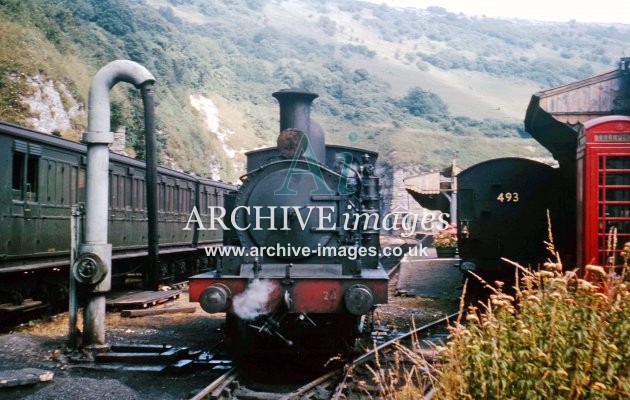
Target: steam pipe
151,275
97,138
295,112
73,306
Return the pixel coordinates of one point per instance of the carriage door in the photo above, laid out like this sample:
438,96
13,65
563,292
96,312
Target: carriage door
604,160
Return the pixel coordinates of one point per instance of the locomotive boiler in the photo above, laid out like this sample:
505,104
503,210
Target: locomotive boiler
299,266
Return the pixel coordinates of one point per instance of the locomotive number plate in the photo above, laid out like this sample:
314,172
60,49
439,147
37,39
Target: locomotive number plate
330,295
508,197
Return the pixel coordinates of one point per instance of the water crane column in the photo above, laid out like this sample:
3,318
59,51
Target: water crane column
93,266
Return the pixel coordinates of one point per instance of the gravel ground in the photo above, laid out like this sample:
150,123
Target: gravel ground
41,344
400,311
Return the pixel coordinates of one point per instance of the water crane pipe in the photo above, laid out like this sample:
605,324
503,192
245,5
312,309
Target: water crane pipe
95,252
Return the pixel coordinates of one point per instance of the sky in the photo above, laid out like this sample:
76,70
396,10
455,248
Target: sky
602,11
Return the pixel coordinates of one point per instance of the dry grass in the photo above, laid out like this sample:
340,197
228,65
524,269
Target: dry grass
57,325
559,336
556,336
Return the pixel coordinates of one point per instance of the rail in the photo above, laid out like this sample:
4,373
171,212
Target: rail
341,375
214,389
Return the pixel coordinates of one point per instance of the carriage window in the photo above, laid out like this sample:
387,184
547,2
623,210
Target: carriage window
18,171
60,183
161,197
50,181
169,198
138,194
171,190
203,202
32,170
185,203
81,185
128,193
74,171
113,185
121,192
25,172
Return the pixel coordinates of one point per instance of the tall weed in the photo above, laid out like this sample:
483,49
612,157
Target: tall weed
558,336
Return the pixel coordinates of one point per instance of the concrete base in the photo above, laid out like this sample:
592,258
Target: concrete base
96,348
430,277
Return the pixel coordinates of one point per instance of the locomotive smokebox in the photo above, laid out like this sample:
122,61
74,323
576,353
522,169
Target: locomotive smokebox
295,112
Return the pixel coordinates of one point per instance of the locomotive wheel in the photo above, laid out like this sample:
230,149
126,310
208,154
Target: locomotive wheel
16,297
332,335
240,338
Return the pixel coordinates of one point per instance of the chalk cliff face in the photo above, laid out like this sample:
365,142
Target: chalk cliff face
210,115
53,110
52,105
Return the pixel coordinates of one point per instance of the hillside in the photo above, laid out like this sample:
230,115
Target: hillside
415,85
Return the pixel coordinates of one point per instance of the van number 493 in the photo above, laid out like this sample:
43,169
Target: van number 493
508,197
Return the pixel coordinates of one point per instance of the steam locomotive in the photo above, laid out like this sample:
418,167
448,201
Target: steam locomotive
42,176
299,265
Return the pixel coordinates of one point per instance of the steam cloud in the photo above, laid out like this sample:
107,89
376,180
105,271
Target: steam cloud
251,303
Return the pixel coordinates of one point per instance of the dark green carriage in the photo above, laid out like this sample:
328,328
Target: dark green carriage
42,176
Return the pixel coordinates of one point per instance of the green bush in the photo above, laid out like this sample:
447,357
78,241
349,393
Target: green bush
419,102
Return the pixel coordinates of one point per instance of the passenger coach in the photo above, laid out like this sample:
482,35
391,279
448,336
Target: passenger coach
42,176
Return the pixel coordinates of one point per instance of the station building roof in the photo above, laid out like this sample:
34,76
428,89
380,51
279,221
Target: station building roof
426,188
554,115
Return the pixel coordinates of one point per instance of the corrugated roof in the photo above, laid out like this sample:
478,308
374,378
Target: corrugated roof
424,184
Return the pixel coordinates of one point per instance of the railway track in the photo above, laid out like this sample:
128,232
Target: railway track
350,381
220,387
345,382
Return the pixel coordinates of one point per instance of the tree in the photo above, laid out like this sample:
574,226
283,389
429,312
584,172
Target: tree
422,103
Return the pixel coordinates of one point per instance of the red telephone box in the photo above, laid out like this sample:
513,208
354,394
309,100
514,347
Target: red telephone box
603,162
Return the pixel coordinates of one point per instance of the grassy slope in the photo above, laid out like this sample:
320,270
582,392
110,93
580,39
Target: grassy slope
215,39
468,93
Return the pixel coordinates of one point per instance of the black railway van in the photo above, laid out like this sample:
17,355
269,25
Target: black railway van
42,176
502,212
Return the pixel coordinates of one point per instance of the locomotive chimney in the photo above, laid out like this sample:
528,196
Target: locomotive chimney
295,112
